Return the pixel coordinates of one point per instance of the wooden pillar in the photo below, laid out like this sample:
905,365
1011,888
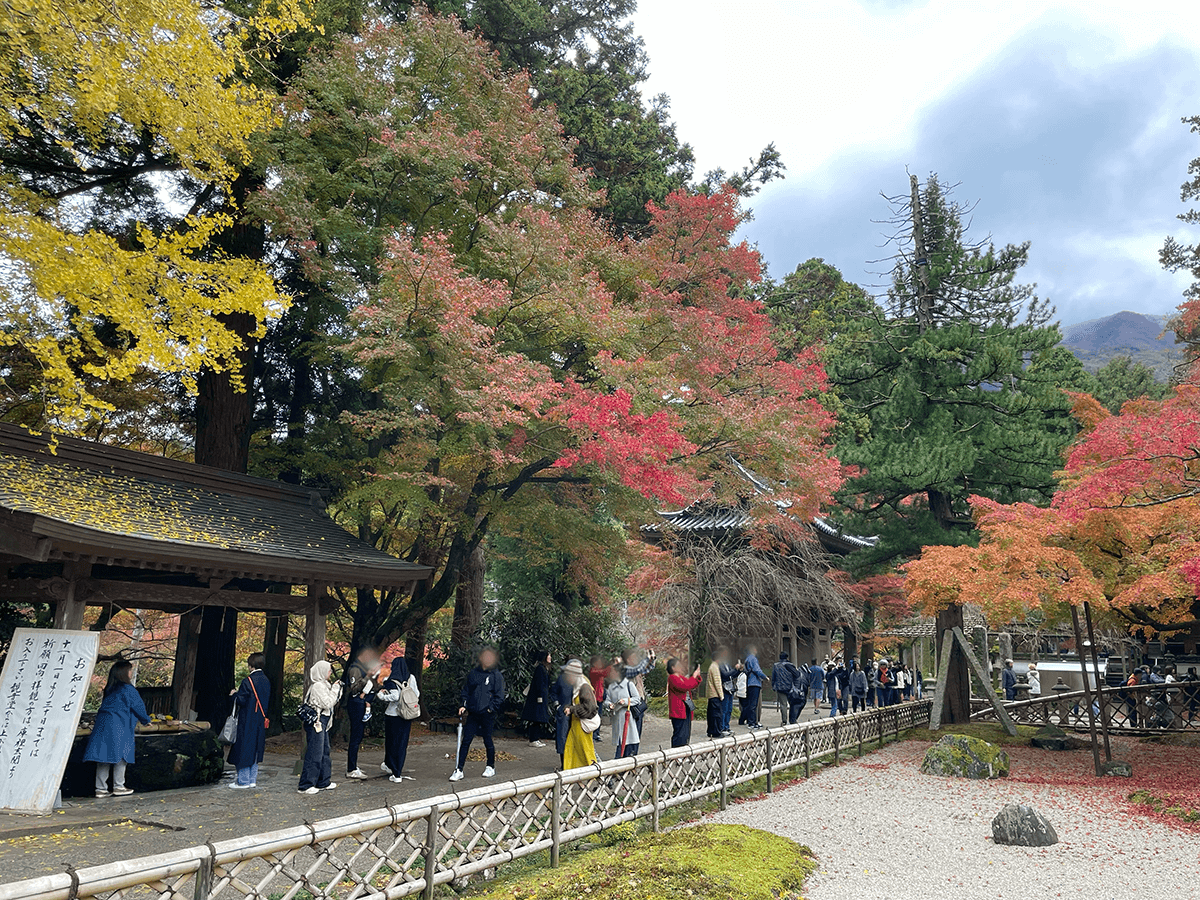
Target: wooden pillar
954,678
183,680
314,629
216,658
275,650
71,597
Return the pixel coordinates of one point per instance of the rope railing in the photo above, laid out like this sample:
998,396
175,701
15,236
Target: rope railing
1139,708
410,849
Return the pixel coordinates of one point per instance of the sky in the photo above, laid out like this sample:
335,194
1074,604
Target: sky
1060,120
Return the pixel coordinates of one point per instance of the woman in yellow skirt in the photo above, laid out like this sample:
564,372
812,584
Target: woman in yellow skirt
584,713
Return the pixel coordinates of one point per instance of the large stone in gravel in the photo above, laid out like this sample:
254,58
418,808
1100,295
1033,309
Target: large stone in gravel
1051,737
963,756
1117,767
1019,825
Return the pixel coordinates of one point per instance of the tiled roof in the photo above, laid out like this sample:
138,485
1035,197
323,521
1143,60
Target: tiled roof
721,519
94,500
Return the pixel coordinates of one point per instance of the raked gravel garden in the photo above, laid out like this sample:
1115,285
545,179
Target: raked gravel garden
880,828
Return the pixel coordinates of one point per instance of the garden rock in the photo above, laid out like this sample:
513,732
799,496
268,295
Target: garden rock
963,756
1018,825
1117,767
1051,737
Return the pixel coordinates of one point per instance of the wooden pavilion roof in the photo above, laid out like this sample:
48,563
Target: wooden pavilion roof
163,524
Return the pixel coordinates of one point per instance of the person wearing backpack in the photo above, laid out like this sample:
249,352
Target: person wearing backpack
250,702
403,700
788,683
482,700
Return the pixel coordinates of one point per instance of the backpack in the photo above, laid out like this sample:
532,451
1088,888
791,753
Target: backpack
410,699
783,678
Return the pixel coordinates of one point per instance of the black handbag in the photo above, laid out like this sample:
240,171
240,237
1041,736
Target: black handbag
308,713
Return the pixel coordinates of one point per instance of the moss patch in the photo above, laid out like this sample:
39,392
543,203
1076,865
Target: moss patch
1166,807
963,756
708,862
993,734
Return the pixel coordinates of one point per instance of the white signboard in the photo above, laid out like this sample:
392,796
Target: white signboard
42,690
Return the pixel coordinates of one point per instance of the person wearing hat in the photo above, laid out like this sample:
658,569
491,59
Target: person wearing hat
1008,680
583,715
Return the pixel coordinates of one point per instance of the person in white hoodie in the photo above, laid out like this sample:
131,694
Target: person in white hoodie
1035,681
396,727
323,697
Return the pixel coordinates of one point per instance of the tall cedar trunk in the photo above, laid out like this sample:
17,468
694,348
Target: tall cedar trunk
275,648
849,644
957,689
224,410
468,601
214,664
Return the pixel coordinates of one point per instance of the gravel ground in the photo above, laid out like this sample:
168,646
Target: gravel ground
881,829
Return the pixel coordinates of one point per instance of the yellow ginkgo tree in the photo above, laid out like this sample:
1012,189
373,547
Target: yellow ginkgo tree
120,122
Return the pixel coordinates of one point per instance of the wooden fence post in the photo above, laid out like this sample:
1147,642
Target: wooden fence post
879,715
770,767
655,782
837,752
807,743
556,820
204,875
724,757
430,850
858,728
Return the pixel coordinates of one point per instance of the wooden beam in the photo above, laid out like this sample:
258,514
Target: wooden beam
71,599
314,628
983,675
170,597
16,541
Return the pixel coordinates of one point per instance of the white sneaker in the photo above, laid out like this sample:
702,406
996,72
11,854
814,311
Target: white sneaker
457,776
100,795
240,787
536,744
330,786
395,779
122,792
357,773
383,767
311,790
489,772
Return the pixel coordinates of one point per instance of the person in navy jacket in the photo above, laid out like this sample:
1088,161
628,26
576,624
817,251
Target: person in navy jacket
250,742
111,743
482,700
755,677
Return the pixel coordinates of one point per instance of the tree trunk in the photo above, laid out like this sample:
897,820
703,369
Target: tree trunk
849,644
274,649
957,688
214,671
468,601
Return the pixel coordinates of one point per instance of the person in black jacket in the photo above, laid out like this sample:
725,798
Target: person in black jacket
536,712
562,692
482,700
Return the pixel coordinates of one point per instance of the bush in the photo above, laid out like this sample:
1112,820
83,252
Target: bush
656,680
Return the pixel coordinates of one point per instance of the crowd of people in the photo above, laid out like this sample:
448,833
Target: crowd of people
569,708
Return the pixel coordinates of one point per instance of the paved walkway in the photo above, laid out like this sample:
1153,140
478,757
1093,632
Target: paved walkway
880,828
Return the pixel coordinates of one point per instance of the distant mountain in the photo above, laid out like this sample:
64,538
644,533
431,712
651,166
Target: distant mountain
1140,337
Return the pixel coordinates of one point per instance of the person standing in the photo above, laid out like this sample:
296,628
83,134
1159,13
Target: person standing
755,677
872,673
362,675
111,746
1008,680
714,689
740,689
622,698
536,711
832,689
789,684
250,700
583,716
858,688
679,701
323,696
729,674
397,727
636,669
561,692
482,700
1035,681
816,684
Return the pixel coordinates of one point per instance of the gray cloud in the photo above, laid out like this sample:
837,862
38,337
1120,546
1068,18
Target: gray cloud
1082,157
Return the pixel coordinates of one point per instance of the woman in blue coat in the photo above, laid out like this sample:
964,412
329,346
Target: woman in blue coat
250,702
111,744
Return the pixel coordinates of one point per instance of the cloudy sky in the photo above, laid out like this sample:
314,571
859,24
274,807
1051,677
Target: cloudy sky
1062,120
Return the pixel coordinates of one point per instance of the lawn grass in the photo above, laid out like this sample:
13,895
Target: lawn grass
985,731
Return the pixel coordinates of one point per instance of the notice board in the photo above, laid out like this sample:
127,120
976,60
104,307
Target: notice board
42,691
